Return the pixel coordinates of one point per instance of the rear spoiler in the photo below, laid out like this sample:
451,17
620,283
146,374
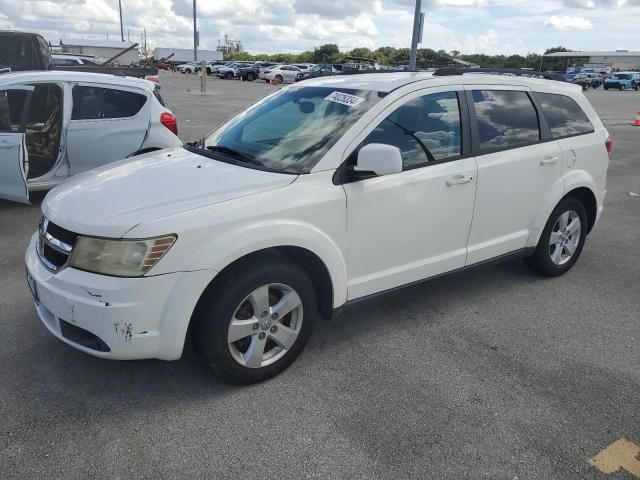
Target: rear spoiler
446,72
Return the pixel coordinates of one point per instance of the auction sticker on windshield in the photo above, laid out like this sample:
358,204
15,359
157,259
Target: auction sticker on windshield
344,99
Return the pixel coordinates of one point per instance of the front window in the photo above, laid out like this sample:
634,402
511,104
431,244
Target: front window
621,76
290,131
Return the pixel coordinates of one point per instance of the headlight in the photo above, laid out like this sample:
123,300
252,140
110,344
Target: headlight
120,258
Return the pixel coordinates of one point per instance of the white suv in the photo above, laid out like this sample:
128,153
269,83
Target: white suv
322,193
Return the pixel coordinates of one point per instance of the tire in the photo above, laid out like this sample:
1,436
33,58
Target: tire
552,258
606,88
208,71
621,87
187,70
228,76
279,78
251,77
236,297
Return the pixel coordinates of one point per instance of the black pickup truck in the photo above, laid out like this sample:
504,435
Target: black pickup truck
29,51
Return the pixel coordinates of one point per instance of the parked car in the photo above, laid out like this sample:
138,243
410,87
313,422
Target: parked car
231,71
69,59
22,51
320,70
316,196
265,68
57,124
213,66
623,80
596,79
189,67
252,72
281,73
582,80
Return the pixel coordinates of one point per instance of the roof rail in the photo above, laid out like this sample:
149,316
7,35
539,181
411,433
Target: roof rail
449,71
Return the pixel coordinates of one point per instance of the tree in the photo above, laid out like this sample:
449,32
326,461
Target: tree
454,53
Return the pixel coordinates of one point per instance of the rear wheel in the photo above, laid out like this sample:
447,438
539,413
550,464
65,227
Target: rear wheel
621,87
251,77
561,240
257,322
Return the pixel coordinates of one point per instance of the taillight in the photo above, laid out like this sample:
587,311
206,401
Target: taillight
609,145
169,120
153,78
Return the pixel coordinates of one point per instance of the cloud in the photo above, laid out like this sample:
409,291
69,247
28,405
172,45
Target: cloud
568,23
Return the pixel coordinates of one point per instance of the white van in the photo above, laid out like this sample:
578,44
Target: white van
325,192
56,124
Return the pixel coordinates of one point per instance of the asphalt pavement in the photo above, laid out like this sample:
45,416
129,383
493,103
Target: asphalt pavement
493,373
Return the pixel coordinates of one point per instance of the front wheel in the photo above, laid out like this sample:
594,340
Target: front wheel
229,76
279,79
257,322
251,77
621,87
561,240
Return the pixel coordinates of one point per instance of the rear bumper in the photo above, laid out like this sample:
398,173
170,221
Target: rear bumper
135,318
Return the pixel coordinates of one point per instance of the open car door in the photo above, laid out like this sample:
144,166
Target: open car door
15,103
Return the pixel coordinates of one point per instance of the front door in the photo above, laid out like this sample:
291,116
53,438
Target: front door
107,124
415,224
15,103
518,166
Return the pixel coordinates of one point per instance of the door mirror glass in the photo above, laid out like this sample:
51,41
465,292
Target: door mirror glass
380,159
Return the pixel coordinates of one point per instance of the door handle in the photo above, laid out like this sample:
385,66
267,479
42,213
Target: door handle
459,180
550,160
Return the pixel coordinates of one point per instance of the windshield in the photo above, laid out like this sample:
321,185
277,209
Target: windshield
621,76
289,131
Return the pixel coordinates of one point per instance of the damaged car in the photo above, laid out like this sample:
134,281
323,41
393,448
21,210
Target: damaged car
54,125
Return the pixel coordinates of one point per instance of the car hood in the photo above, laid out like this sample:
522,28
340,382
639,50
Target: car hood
111,200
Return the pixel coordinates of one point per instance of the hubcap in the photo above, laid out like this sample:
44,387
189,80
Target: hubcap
265,325
565,236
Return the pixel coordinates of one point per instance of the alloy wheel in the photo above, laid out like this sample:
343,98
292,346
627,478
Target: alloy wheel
565,237
265,326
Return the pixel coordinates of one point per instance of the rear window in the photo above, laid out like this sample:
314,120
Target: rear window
564,115
506,119
15,52
91,103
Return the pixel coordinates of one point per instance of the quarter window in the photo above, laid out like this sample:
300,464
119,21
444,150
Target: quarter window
505,118
425,129
94,102
564,115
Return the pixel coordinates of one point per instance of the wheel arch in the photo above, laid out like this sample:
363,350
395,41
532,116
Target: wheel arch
588,199
305,259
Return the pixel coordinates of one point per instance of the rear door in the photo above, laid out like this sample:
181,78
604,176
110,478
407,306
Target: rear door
107,124
518,165
15,103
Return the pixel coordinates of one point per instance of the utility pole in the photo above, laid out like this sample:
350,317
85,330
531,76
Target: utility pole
195,34
416,34
121,26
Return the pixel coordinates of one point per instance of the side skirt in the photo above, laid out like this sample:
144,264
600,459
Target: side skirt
522,253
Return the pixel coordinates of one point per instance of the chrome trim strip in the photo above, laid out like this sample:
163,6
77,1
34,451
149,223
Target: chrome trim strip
58,244
46,262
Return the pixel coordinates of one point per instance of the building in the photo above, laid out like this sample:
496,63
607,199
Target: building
101,48
616,60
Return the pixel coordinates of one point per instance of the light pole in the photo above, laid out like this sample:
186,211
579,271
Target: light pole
195,34
416,34
121,26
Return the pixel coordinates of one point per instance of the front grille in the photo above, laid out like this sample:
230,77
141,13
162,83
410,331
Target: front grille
55,244
82,337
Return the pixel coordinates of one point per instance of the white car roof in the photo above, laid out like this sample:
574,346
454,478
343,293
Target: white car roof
68,76
387,82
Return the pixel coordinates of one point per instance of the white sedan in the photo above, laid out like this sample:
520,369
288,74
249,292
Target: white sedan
56,124
281,73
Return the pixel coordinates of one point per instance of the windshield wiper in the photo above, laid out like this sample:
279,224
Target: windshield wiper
235,154
198,143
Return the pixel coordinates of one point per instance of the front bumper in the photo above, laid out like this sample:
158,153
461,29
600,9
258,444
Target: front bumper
135,318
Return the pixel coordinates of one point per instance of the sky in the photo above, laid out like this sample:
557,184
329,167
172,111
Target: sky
270,26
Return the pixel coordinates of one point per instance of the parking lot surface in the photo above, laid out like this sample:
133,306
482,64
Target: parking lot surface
493,373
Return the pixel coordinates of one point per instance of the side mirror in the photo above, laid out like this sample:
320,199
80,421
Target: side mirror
380,159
